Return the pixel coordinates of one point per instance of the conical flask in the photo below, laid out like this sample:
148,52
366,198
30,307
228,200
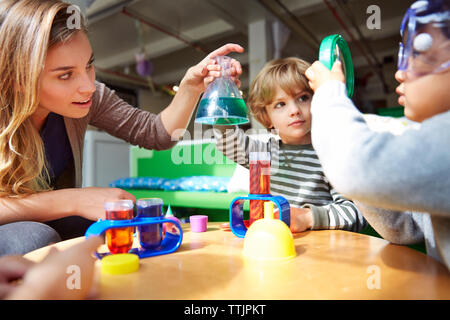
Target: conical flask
222,102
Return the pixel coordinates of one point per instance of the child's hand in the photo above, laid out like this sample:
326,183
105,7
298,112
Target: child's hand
301,219
318,74
52,278
198,77
12,268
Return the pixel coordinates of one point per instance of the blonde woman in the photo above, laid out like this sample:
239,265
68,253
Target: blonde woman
48,96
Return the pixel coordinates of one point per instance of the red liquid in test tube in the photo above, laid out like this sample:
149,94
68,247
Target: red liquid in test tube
119,240
259,182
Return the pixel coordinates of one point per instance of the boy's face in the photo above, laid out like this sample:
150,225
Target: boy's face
422,92
425,96
291,116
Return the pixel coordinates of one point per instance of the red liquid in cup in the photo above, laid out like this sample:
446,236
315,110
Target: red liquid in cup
259,184
119,240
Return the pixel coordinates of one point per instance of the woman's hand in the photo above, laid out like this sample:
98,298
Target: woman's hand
318,74
198,77
177,115
89,202
57,204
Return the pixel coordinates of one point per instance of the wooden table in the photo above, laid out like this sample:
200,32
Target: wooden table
329,265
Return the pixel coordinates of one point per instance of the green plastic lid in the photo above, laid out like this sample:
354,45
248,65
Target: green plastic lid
335,48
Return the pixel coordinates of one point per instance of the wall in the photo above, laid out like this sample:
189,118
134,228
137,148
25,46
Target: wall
157,101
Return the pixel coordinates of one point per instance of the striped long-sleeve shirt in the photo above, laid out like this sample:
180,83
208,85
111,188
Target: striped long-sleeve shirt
297,175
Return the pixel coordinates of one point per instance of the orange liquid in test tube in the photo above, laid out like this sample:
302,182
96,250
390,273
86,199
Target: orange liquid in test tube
259,182
119,240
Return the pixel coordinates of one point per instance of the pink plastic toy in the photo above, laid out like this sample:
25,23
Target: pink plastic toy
169,227
198,223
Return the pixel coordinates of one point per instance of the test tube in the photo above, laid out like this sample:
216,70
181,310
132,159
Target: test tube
259,182
119,240
150,235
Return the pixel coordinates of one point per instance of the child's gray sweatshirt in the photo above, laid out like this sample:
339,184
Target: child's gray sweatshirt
401,174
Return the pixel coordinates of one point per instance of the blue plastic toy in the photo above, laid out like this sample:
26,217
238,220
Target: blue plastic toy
170,243
237,211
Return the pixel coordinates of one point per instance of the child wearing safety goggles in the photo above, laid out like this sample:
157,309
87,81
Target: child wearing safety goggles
400,181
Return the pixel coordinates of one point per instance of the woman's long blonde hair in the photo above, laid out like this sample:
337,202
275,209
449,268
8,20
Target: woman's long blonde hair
28,28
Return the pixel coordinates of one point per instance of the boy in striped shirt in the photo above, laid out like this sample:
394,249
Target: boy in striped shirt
280,99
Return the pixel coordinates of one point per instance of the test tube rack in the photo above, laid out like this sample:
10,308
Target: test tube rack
236,211
170,243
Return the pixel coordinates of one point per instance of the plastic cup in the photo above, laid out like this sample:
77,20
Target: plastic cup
150,235
119,240
198,223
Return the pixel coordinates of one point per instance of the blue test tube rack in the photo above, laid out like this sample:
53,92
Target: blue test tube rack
237,211
170,243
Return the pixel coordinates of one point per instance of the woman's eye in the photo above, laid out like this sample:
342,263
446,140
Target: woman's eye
90,65
279,105
65,76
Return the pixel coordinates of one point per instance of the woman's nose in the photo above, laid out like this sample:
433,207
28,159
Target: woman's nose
87,84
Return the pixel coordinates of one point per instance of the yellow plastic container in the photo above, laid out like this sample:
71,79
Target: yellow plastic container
269,239
120,263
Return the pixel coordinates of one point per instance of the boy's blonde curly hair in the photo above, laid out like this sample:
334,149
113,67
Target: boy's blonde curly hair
286,73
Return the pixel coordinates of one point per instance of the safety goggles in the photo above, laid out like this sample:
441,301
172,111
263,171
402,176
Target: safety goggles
425,46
